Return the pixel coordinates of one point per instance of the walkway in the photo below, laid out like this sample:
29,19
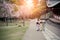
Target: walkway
32,34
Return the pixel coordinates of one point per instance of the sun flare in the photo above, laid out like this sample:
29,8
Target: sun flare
29,3
32,7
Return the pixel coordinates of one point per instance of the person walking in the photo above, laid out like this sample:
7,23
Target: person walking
42,22
38,25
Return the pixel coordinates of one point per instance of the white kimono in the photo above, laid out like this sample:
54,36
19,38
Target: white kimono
38,26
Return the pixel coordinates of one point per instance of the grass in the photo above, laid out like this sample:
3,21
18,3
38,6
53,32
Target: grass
13,31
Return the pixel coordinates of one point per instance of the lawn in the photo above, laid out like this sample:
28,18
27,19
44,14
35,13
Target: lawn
14,31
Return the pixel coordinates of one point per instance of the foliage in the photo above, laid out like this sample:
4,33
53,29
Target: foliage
1,1
7,6
3,10
15,9
17,2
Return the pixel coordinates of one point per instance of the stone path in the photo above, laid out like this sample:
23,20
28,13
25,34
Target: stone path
32,34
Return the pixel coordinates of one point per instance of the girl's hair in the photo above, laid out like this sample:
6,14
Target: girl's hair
37,23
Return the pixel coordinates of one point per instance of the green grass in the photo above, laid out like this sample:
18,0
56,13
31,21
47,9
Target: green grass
13,32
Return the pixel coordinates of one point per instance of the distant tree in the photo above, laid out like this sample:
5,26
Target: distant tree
7,9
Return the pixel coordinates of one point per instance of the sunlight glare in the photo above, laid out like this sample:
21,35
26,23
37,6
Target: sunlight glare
29,3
